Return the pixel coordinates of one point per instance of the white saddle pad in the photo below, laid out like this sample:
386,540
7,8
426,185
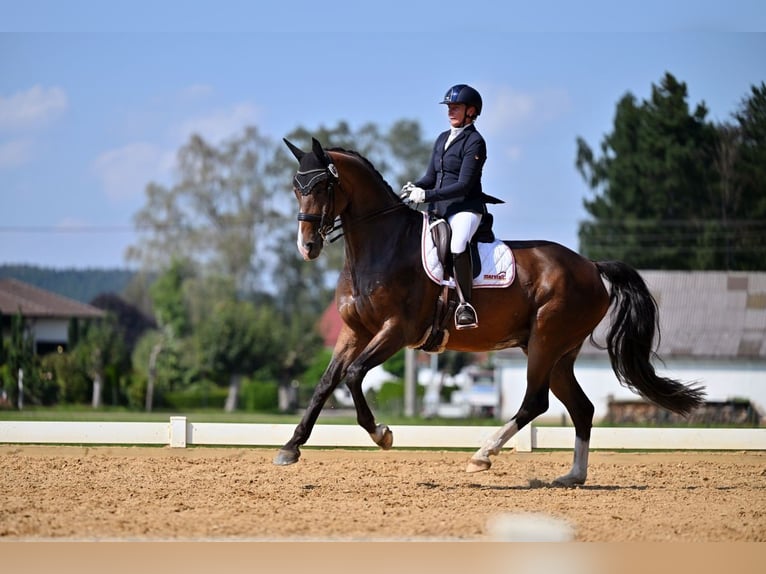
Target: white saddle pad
498,268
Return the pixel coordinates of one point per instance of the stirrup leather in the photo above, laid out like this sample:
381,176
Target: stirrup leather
465,317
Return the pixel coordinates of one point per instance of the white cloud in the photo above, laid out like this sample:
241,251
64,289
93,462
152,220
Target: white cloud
125,172
15,153
513,112
196,92
71,224
513,153
220,124
31,108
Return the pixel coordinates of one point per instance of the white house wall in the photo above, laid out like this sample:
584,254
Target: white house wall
722,381
51,330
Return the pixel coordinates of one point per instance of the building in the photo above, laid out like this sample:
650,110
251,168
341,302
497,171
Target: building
46,315
713,331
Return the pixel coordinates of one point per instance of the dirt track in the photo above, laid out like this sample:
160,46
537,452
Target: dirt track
236,493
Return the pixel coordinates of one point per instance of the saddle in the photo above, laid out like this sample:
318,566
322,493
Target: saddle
485,251
441,233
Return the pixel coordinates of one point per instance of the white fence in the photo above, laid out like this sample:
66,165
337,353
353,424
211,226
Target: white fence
179,433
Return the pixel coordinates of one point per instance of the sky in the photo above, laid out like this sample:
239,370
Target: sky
96,98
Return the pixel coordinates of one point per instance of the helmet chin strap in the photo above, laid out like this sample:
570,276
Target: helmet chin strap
466,118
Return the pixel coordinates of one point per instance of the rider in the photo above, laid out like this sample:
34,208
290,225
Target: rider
452,186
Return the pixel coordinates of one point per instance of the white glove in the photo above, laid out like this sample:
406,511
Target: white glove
406,189
417,194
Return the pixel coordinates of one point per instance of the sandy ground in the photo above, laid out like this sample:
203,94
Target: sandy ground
134,493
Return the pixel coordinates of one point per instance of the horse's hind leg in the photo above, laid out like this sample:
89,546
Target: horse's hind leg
565,387
534,404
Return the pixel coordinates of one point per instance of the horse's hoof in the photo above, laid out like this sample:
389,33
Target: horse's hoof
568,481
383,437
478,464
285,457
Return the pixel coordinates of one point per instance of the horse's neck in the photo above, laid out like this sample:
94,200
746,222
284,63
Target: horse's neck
377,227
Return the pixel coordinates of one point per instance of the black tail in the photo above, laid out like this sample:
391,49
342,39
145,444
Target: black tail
631,337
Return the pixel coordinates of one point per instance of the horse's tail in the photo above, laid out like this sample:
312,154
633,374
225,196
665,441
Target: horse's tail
630,339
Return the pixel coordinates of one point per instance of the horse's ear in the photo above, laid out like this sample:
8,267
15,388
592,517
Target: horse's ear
319,151
297,152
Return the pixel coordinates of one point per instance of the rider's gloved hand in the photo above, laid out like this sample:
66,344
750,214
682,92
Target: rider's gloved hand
406,189
417,194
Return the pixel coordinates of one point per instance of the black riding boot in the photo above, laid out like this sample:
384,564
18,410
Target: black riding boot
465,314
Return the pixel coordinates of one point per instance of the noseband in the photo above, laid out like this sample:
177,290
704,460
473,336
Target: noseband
305,181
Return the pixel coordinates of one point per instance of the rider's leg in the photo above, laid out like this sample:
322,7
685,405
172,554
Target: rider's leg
464,224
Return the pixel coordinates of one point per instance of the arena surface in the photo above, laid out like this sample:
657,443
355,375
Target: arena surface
137,493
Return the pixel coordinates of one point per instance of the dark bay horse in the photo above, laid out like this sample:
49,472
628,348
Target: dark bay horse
387,302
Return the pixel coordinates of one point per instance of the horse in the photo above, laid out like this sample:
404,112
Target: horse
387,302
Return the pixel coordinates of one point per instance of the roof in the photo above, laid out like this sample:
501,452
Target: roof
330,325
707,314
17,296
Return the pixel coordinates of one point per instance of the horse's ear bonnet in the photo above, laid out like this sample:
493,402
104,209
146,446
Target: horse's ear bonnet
297,152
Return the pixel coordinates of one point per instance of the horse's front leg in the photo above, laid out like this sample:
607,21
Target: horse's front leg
290,452
379,433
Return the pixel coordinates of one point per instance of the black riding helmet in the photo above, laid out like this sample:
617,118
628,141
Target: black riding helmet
463,94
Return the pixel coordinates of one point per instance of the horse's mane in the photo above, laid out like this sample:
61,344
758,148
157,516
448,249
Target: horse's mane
369,164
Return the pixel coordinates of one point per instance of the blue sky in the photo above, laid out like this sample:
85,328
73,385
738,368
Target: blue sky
96,97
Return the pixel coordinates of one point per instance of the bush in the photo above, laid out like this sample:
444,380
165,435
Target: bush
72,384
260,396
202,395
136,392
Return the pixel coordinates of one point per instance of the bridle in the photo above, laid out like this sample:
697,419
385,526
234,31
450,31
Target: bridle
306,181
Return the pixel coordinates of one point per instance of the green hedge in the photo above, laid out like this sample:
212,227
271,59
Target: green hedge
259,396
198,396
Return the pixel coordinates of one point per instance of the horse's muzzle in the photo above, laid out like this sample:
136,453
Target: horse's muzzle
310,248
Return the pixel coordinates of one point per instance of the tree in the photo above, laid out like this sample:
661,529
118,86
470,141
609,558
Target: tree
20,360
238,339
218,216
650,181
130,321
172,316
673,191
102,350
750,182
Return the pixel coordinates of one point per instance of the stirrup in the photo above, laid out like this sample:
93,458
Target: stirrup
465,317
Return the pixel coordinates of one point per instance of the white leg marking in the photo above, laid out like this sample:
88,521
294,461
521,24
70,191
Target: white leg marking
494,443
579,471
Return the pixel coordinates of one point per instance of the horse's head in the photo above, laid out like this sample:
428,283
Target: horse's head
314,185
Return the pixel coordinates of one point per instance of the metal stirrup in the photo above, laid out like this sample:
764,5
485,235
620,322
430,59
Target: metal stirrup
462,307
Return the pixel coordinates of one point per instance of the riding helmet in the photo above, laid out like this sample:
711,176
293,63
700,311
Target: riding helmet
463,94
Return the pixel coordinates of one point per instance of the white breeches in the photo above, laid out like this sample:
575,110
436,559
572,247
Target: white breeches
464,224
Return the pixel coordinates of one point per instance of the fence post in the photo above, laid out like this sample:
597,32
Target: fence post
524,439
177,432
